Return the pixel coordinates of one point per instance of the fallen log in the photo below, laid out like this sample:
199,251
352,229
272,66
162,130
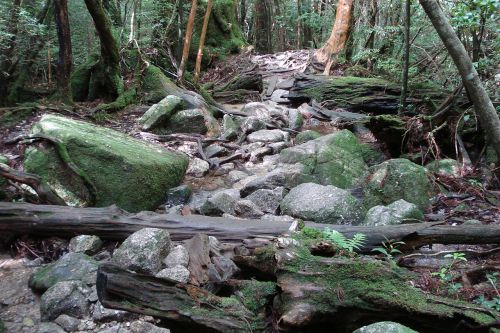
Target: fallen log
355,93
115,224
314,294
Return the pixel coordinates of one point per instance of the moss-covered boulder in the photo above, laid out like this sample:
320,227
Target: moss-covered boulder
160,112
385,327
114,168
445,167
305,136
397,179
335,159
396,213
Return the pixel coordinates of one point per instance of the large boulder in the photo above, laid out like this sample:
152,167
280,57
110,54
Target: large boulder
71,266
158,113
335,159
144,251
322,204
65,297
395,213
445,167
385,327
397,179
130,173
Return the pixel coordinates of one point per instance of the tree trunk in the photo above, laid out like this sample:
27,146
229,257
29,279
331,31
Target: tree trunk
488,117
281,31
406,60
199,56
112,223
187,40
65,58
338,38
261,27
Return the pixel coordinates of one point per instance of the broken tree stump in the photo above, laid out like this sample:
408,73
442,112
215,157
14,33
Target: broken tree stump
115,224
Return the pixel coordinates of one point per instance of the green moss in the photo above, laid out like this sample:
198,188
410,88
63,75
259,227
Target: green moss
125,99
80,78
256,294
306,136
130,173
14,116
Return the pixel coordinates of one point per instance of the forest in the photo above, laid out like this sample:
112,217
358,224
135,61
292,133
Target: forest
249,166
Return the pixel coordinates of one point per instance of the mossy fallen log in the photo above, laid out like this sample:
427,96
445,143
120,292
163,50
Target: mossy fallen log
357,93
115,224
304,293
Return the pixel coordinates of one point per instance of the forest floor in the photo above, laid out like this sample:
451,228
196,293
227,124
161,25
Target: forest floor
463,202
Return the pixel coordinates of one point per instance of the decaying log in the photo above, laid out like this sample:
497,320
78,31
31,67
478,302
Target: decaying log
116,224
354,93
314,294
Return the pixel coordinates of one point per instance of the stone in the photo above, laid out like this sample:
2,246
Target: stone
259,153
305,136
188,121
278,146
295,119
247,209
178,256
334,159
159,113
179,195
70,324
214,245
86,244
278,96
268,201
445,167
223,201
143,251
274,135
128,172
397,179
102,314
197,167
48,327
385,327
278,218
71,266
225,267
140,326
229,128
322,204
65,297
235,176
176,273
252,124
288,176
395,213
215,150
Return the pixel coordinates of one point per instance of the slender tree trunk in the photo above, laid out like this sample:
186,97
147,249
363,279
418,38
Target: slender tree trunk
261,27
300,31
187,40
338,38
488,117
406,61
199,56
281,32
7,64
243,14
65,58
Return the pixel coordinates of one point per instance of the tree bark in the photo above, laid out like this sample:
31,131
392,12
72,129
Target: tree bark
113,223
261,27
338,38
199,56
187,40
488,117
65,58
406,58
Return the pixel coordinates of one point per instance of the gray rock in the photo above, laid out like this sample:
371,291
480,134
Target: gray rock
85,244
225,267
214,245
187,121
65,297
274,135
197,167
268,201
71,266
178,195
252,124
140,326
215,150
48,327
247,209
143,251
397,179
288,175
278,218
295,119
257,154
177,256
385,327
102,314
157,114
445,167
70,324
177,273
236,175
395,213
322,204
229,128
221,202
278,146
278,96
102,256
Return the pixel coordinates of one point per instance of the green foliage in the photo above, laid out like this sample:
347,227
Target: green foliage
338,239
389,249
494,303
311,233
444,274
473,13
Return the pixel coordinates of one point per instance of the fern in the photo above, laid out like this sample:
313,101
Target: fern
343,242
